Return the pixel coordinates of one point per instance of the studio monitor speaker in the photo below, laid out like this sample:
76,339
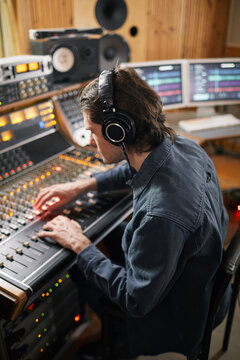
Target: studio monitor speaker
111,14
74,58
113,50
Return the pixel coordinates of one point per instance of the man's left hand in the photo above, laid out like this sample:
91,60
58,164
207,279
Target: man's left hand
66,232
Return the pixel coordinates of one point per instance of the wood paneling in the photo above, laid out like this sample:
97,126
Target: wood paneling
42,14
232,51
205,28
166,29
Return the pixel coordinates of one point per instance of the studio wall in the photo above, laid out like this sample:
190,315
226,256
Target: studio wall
164,29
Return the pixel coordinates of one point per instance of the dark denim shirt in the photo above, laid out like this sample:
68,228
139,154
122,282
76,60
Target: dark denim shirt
173,246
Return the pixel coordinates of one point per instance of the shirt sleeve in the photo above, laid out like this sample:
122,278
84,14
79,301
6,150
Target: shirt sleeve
153,257
113,179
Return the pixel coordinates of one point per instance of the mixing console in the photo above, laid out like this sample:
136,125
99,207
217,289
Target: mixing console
38,301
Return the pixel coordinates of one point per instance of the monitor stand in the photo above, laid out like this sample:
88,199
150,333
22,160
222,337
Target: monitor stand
203,111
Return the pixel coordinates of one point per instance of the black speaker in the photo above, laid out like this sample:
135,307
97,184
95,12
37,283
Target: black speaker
111,14
74,58
118,127
113,49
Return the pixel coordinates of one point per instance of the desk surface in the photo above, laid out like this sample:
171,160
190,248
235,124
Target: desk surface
204,135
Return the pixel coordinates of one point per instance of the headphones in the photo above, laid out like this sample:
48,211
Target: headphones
118,127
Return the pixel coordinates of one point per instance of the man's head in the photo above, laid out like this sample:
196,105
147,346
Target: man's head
134,98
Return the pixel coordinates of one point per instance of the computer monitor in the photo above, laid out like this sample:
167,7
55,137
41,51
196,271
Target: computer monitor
166,78
213,82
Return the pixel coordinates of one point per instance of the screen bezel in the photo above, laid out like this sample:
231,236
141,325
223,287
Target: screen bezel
182,62
191,103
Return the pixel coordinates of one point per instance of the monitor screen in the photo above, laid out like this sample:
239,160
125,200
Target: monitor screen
214,81
166,78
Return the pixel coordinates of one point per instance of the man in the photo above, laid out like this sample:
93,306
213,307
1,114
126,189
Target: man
174,242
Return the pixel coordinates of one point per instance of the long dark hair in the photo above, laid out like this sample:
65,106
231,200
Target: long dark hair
134,96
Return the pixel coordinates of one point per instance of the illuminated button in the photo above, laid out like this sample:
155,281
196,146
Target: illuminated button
77,318
9,257
78,202
92,201
50,203
19,251
30,163
90,194
38,212
26,244
77,209
29,216
58,168
44,208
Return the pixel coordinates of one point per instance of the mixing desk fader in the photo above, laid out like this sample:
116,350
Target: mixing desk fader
33,156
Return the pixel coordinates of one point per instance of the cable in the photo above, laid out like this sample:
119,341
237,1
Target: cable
126,156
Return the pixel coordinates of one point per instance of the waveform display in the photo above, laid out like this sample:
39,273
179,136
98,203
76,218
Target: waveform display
215,81
165,79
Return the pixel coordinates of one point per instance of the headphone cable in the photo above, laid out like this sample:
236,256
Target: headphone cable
126,156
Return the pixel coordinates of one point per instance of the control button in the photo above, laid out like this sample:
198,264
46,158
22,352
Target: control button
9,257
5,232
34,238
66,211
78,202
19,251
26,244
1,264
21,221
13,226
77,209
92,201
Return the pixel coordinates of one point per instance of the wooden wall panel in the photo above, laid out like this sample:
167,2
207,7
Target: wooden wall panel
166,29
205,28
40,14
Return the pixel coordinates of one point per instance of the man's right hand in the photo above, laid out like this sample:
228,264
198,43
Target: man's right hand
63,192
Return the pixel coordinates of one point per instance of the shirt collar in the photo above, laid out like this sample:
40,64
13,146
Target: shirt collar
151,164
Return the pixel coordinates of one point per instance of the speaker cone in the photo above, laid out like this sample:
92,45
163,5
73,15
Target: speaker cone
113,50
111,14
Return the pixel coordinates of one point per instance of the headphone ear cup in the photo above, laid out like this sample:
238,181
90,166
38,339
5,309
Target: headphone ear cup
118,128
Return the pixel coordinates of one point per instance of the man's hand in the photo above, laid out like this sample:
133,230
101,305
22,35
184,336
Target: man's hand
64,192
66,232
